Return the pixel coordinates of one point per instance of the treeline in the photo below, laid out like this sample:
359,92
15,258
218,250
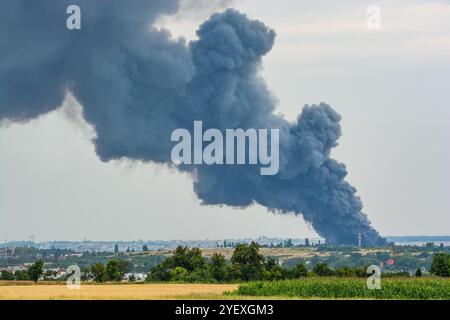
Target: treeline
113,270
34,272
246,264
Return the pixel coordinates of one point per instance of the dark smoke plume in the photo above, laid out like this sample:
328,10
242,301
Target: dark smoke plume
136,84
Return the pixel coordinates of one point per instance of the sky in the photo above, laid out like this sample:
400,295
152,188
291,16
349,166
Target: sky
391,87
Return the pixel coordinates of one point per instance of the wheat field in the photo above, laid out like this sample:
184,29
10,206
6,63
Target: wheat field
115,292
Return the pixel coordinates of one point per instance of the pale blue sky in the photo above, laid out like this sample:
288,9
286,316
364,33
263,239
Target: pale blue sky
391,86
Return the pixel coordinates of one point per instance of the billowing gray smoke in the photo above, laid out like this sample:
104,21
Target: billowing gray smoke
136,85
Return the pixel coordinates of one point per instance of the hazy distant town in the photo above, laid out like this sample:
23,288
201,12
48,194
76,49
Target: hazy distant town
137,245
138,259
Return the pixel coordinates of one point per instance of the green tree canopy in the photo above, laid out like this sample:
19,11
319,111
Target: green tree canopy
299,271
248,262
36,270
218,267
441,265
98,272
179,274
114,270
273,271
322,269
190,259
6,275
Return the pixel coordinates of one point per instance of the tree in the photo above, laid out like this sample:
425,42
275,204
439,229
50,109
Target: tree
440,265
190,259
419,272
159,273
360,272
179,274
200,276
180,258
98,272
345,272
307,242
322,269
145,248
114,270
196,260
299,271
248,261
21,275
85,273
36,270
125,266
116,249
273,271
218,267
6,275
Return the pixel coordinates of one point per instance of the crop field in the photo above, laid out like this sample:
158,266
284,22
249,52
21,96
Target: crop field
113,291
349,288
310,288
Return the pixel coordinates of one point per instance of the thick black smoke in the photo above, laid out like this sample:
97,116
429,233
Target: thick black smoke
137,85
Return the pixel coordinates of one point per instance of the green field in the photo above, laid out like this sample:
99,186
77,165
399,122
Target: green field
349,288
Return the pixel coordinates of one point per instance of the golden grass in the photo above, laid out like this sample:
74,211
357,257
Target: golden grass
115,292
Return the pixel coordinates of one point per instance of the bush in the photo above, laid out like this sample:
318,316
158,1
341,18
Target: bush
345,272
159,273
21,275
6,275
322,269
200,276
273,271
299,271
398,274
